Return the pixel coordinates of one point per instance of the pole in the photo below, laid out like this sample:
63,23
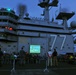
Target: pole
13,72
46,69
46,57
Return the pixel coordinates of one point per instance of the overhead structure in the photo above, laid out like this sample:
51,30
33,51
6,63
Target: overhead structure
46,4
63,15
68,15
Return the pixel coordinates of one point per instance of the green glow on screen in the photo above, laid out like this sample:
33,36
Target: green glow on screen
34,48
8,9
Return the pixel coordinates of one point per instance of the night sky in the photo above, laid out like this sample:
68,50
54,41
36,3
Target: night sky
36,11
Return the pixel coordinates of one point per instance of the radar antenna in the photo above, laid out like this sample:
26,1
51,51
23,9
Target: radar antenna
46,4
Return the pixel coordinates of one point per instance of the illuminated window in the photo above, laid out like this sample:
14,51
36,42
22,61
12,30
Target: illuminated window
10,28
6,27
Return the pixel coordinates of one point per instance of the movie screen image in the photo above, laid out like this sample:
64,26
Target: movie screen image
34,48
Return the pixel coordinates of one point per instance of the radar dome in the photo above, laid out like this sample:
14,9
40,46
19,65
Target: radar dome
27,14
73,24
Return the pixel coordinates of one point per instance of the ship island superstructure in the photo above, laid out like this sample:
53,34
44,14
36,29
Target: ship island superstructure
16,32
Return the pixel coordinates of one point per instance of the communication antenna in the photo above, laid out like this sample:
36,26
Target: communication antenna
46,4
60,7
22,9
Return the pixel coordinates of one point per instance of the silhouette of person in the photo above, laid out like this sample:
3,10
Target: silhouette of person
54,55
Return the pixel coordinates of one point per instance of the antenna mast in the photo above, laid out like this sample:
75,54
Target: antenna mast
45,4
22,9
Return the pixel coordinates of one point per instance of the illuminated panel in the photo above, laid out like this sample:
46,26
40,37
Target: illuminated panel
34,48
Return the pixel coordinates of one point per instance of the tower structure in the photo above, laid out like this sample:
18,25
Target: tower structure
63,15
8,25
45,4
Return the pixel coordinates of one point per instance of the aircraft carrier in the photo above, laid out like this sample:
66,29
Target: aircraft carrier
17,31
